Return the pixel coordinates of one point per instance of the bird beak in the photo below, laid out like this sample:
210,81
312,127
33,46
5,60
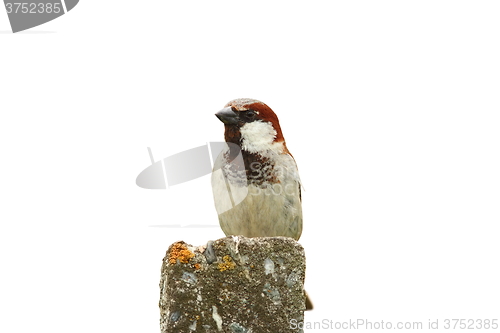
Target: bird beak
228,116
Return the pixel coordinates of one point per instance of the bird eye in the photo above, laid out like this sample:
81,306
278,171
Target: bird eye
250,114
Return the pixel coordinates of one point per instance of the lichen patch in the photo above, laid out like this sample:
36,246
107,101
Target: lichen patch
227,264
179,251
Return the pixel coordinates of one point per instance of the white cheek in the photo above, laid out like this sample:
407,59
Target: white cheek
258,137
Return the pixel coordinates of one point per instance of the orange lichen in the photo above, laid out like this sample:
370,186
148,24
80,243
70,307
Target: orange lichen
197,266
227,264
179,251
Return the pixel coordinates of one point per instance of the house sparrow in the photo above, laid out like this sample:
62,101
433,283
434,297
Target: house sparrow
259,193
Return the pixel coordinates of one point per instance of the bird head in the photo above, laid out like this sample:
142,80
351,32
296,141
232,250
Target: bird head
252,125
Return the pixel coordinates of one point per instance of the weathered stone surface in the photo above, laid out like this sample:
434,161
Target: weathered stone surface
253,285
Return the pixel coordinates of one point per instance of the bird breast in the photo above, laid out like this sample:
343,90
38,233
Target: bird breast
258,198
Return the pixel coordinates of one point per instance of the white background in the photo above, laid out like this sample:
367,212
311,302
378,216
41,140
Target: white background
390,108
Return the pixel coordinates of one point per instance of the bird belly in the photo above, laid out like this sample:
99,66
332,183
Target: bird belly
261,211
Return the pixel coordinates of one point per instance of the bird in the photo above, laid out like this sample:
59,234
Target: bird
255,179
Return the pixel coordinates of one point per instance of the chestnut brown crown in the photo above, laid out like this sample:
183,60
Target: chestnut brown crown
240,111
